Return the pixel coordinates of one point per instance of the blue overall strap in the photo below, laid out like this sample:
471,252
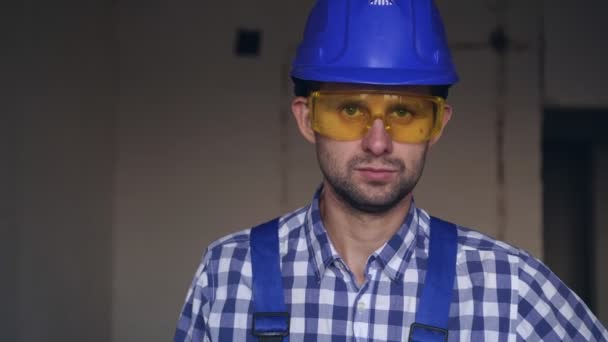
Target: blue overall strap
434,306
270,321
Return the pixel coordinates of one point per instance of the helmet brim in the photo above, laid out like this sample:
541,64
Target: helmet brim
376,76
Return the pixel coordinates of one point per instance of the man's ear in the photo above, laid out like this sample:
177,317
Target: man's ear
447,115
299,108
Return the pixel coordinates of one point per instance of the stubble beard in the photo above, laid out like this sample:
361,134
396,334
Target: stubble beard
370,197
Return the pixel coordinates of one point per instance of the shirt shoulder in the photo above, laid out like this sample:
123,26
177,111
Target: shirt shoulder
546,309
473,240
475,246
236,246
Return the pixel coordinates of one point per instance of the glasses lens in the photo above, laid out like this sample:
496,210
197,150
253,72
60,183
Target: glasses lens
340,116
409,118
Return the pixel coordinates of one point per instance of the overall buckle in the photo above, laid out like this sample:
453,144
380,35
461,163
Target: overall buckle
270,324
423,333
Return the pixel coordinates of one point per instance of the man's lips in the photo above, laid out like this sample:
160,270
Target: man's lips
376,174
375,169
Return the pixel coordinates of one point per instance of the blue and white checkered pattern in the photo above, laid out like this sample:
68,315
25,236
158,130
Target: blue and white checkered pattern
502,293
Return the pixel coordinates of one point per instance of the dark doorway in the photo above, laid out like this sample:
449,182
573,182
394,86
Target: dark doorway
570,143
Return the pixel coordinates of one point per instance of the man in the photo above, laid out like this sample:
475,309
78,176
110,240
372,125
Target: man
362,262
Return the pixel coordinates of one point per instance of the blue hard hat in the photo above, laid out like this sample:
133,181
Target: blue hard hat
389,42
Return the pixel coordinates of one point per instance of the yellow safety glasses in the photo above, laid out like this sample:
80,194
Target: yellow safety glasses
348,115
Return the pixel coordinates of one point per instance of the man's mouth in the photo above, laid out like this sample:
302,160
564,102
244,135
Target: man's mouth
376,174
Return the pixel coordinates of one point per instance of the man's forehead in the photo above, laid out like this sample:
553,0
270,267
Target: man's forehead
423,89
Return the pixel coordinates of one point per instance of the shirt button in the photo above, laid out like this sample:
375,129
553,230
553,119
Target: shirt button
361,306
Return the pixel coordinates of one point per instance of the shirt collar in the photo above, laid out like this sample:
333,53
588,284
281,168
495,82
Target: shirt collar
321,250
392,257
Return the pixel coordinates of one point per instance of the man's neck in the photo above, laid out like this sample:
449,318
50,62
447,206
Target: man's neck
355,234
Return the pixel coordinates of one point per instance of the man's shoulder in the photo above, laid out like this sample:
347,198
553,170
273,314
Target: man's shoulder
240,240
479,248
470,239
539,293
481,255
473,244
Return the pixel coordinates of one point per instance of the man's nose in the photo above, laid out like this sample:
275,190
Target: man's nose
377,140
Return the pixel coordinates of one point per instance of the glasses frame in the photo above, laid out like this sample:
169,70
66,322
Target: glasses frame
438,101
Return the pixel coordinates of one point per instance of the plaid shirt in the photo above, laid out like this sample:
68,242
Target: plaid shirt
501,293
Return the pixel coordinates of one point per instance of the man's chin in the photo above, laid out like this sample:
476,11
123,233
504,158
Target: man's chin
373,203
376,184
372,207
377,189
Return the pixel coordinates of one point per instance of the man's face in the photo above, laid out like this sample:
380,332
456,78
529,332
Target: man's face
372,174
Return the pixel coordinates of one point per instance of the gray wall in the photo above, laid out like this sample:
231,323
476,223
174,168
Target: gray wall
9,232
198,146
576,53
10,107
60,171
122,174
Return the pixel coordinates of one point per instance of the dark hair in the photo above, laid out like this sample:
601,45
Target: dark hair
304,88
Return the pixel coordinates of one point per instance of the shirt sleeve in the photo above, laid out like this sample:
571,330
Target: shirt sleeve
549,311
192,323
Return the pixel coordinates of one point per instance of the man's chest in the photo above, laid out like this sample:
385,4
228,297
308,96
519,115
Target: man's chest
333,308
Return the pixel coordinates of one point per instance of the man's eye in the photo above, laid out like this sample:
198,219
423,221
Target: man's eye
401,112
351,110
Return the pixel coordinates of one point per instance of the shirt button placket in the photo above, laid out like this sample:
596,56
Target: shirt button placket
361,326
361,307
